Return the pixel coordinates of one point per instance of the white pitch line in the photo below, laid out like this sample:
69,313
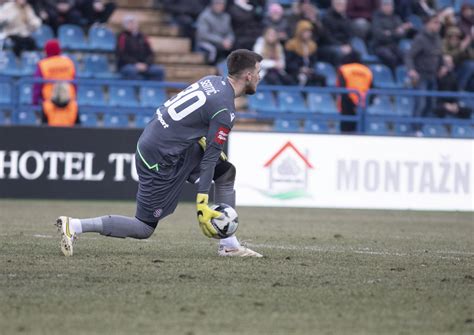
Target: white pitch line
365,251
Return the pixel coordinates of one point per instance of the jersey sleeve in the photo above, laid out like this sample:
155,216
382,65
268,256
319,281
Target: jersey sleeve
220,125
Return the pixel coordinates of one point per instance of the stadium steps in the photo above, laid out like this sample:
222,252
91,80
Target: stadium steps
165,44
188,73
144,16
179,58
153,29
135,3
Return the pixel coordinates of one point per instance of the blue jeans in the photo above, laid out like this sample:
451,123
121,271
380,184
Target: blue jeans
424,105
465,72
154,72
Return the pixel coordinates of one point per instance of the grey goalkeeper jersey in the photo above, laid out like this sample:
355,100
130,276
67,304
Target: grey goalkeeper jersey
205,108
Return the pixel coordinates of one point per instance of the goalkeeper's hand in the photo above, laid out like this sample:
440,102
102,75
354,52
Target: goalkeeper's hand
202,143
205,215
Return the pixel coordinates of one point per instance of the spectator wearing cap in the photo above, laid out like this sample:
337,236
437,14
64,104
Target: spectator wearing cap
423,62
337,43
387,30
276,19
135,59
360,12
58,98
214,33
17,21
301,56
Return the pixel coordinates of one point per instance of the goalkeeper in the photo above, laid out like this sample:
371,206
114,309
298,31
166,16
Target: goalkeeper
183,142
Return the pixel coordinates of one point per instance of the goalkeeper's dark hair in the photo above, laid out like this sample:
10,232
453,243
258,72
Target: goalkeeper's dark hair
240,60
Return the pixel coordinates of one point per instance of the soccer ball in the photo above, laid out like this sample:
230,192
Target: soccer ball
228,223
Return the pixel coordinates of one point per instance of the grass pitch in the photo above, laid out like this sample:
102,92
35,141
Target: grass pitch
325,272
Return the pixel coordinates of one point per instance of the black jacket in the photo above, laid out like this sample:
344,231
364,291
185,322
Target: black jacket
425,55
133,49
384,29
338,28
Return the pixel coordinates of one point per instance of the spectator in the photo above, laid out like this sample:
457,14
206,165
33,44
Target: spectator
214,34
339,33
134,55
18,21
185,14
95,11
246,23
301,56
462,54
67,13
273,64
404,8
447,81
276,19
352,75
360,12
45,10
59,98
466,20
387,30
304,10
423,62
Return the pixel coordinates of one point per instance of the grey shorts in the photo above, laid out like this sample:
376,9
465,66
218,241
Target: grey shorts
159,189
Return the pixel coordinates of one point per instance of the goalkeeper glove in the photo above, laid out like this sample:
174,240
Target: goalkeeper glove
202,143
205,215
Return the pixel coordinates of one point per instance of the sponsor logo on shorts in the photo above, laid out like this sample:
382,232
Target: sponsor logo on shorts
157,213
221,135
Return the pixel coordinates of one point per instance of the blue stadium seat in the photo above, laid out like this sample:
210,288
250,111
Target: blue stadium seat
42,35
377,128
88,119
403,129
381,105
3,118
404,105
8,64
29,61
321,103
97,66
415,21
72,37
222,68
123,96
152,96
90,95
262,101
286,125
291,102
101,38
382,76
404,45
112,120
26,118
358,45
461,131
328,71
25,94
142,120
467,103
402,78
311,126
5,93
434,130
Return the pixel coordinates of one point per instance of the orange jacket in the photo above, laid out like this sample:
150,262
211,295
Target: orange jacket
355,76
56,68
60,116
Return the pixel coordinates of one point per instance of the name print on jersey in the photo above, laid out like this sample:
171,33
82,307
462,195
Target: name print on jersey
208,87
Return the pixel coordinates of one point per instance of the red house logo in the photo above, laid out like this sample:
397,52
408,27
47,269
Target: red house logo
288,172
